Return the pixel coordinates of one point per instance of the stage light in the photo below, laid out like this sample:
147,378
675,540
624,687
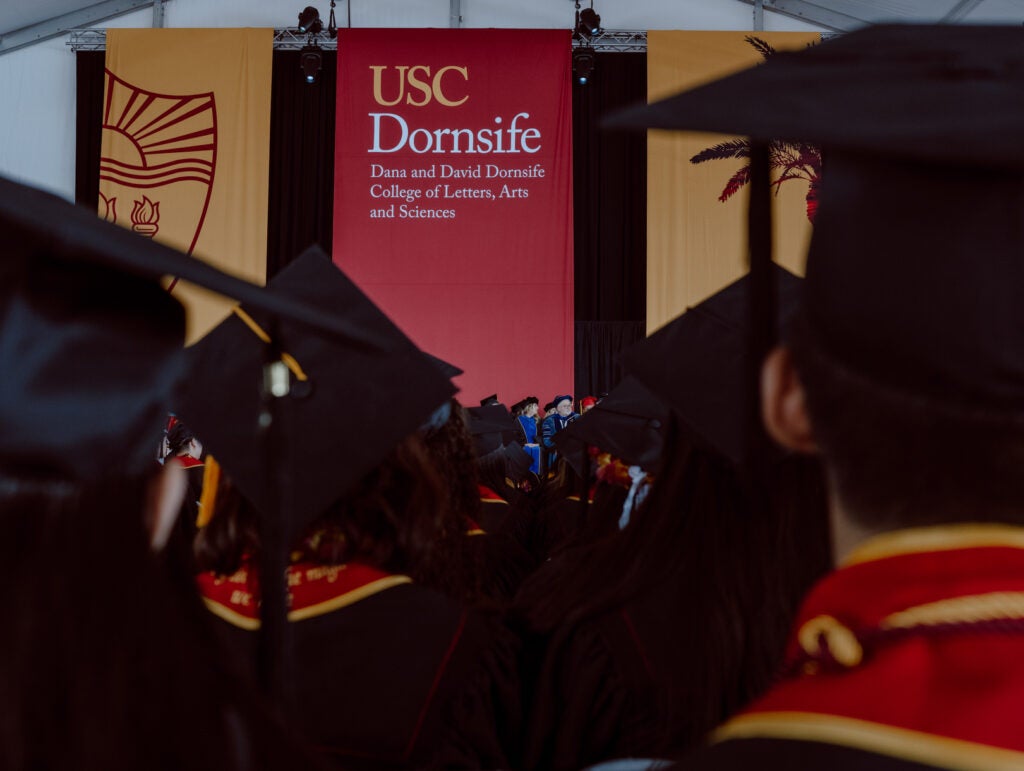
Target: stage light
309,21
332,25
589,23
582,64
311,63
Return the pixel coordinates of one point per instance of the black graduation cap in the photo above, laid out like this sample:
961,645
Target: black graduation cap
488,401
89,341
629,423
914,267
347,406
696,363
519,460
449,370
491,426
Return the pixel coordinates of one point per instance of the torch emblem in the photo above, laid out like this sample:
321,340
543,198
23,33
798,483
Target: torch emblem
146,217
160,153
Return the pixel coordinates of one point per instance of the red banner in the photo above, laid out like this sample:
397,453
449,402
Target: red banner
453,197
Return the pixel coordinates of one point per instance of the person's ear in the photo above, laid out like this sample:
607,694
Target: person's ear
784,403
164,495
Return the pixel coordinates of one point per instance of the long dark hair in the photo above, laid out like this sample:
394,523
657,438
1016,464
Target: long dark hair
451,452
96,627
732,581
178,438
392,519
456,569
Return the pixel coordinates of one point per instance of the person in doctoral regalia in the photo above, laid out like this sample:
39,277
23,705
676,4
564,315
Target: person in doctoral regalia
386,672
643,641
106,658
527,418
905,375
563,415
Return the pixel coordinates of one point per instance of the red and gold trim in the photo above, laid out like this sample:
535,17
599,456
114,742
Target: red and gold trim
187,461
313,590
915,746
912,649
920,540
487,495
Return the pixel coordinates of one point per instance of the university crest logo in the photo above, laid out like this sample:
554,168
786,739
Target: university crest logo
158,162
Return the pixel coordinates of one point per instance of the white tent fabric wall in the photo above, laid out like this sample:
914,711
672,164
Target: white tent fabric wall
37,83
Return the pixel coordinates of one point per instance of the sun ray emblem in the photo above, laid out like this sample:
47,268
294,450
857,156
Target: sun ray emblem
160,153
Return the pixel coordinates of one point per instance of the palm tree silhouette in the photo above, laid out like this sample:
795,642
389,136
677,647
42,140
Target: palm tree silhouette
789,160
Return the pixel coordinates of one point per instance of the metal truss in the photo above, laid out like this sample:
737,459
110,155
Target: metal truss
620,41
293,40
87,39
617,40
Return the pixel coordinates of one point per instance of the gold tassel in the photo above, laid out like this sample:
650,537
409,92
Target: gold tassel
208,499
287,358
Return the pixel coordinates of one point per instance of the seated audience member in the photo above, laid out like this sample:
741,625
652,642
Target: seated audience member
106,659
549,410
584,517
185,448
493,430
905,376
552,424
386,671
587,403
628,428
575,505
484,567
642,642
183,444
528,422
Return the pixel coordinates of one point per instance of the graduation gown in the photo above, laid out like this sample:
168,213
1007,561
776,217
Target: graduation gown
614,685
494,510
911,656
567,522
499,561
388,674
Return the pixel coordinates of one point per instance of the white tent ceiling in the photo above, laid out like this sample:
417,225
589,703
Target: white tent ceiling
23,23
843,15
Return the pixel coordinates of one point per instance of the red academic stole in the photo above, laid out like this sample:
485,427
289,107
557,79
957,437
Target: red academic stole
487,495
312,591
487,498
913,649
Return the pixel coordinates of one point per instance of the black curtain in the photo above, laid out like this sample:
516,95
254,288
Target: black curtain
598,344
89,66
301,159
610,229
609,188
